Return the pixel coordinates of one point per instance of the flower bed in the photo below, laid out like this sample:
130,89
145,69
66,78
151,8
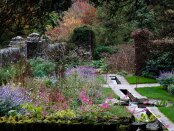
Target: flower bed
75,102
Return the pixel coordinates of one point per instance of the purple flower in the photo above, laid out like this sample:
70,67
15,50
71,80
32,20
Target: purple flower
166,78
164,75
11,98
82,71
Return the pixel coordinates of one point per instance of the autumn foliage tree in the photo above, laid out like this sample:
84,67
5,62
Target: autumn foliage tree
80,13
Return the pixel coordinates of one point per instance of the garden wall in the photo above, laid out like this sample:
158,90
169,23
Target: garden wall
147,49
32,46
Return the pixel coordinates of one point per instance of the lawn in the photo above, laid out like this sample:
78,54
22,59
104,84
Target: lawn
155,93
108,92
139,80
168,112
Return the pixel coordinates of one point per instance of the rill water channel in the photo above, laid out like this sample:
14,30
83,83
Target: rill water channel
142,117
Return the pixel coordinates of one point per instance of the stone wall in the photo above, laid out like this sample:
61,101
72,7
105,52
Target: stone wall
32,46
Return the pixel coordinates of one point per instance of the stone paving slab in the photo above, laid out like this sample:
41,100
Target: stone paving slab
162,118
144,85
118,92
136,94
122,80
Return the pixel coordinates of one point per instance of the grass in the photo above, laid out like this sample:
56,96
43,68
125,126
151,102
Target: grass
168,112
139,80
101,79
107,92
155,93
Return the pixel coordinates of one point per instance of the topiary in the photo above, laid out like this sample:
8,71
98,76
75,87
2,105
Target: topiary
84,37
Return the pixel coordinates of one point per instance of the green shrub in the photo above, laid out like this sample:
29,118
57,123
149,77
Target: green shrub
101,49
166,78
171,89
83,37
101,64
41,67
6,74
122,73
148,74
159,62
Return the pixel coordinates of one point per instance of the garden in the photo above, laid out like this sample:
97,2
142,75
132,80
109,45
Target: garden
86,65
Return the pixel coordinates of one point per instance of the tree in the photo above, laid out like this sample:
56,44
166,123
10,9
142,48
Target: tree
80,13
20,17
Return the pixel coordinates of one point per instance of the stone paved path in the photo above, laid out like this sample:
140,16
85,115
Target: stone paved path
163,119
131,88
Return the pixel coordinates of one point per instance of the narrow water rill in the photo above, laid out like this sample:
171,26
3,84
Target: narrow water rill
143,119
115,79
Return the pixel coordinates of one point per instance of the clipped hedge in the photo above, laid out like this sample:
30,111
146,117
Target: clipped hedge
84,37
51,123
152,55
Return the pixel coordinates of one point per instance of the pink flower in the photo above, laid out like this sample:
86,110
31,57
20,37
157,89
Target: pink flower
105,106
84,98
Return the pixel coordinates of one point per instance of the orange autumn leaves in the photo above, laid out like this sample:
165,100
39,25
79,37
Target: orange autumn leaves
80,13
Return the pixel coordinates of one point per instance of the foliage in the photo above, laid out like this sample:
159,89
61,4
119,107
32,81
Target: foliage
101,79
52,20
146,118
144,17
15,73
65,114
11,98
158,61
6,74
101,63
162,103
108,93
20,17
33,110
124,59
101,50
80,13
171,89
70,117
122,73
166,79
139,80
155,93
164,13
111,26
83,36
41,67
148,74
